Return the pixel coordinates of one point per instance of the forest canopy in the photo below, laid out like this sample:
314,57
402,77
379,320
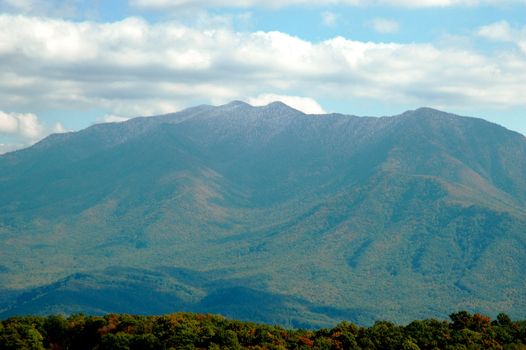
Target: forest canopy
199,331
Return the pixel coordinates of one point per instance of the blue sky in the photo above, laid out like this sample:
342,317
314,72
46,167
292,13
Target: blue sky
69,64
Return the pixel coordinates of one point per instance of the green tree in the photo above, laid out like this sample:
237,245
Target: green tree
18,333
119,341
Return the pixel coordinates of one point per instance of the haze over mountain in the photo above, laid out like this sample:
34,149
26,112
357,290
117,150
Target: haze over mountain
268,214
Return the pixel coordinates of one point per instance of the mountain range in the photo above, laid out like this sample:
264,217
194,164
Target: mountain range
268,214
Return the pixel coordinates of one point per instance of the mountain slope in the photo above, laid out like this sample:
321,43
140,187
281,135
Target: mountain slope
401,217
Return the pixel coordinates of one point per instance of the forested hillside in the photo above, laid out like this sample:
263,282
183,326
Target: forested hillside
225,209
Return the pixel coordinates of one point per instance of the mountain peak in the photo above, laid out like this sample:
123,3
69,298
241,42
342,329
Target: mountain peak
279,106
429,115
272,107
426,112
429,110
236,103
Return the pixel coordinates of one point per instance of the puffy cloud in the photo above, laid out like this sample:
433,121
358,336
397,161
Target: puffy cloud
178,4
58,128
8,123
29,126
502,31
132,67
304,104
23,129
24,125
499,31
111,118
385,26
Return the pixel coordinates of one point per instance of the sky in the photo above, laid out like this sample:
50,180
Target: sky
68,64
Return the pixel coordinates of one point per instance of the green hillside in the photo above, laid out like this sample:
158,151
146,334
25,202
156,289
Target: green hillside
270,215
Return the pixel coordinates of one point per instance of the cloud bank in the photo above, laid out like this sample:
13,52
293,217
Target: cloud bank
132,67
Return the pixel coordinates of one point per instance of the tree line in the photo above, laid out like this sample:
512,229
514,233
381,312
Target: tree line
199,331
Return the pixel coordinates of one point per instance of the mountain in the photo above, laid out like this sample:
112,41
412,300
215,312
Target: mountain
268,214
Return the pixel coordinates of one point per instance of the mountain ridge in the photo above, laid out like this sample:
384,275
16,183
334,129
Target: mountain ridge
407,216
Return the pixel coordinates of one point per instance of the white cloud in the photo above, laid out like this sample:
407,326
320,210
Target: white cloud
178,4
58,128
329,18
24,125
498,31
132,67
385,26
305,104
8,123
23,129
502,31
29,126
111,118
